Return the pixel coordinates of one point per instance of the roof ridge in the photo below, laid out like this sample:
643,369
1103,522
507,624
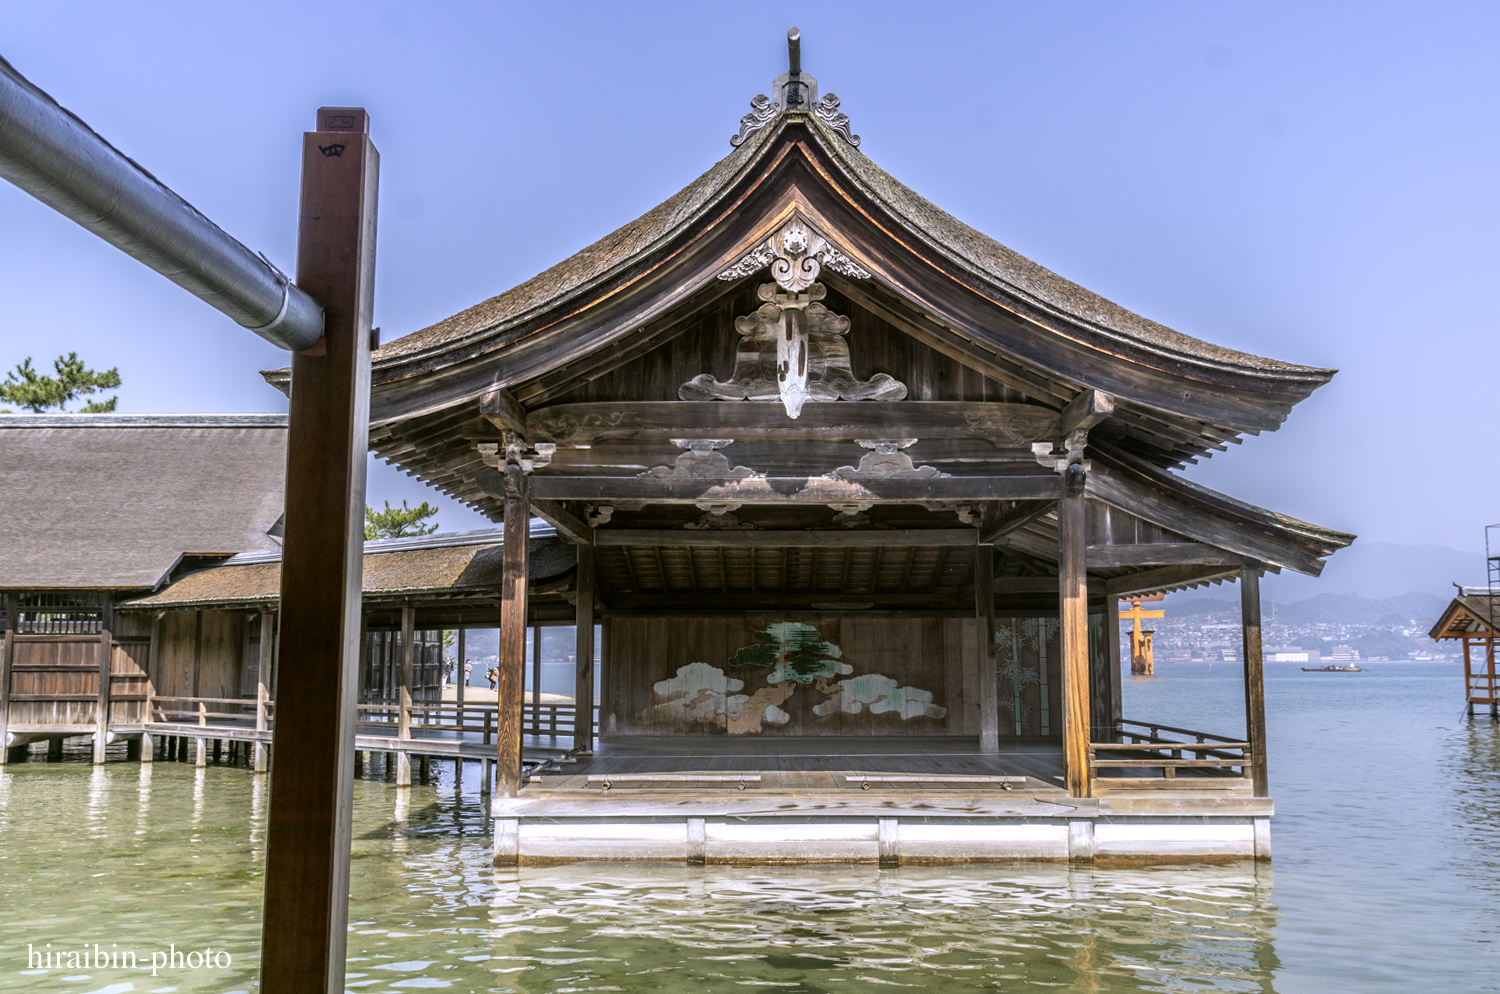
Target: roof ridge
249,420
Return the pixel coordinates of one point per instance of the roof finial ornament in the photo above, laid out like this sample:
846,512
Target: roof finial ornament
793,90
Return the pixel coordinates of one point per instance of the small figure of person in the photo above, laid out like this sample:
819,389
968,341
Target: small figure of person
493,675
447,672
468,671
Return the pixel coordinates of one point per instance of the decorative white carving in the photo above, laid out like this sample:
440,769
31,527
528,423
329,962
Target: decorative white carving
793,350
885,461
796,254
762,112
701,461
828,112
717,517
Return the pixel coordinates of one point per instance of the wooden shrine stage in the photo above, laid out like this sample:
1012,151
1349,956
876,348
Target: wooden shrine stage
733,799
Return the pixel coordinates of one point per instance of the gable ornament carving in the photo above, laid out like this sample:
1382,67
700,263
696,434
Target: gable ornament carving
701,461
792,349
797,254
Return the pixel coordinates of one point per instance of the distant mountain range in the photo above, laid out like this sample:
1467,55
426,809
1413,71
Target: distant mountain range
1376,583
1382,569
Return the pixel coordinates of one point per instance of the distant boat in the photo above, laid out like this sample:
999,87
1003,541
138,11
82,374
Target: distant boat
1351,668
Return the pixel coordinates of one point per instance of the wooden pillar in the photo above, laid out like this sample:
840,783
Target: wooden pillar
148,741
461,675
403,716
984,615
536,671
1112,644
1255,685
305,919
7,661
1073,611
583,683
262,687
202,743
510,689
106,651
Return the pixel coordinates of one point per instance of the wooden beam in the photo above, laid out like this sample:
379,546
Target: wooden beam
1164,578
984,612
794,490
1159,554
559,517
511,687
1162,509
784,539
1255,684
500,407
1110,723
1008,426
583,687
1016,518
305,919
1086,410
1072,523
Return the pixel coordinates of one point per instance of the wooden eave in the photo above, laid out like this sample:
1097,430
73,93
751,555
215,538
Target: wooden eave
1461,620
1173,404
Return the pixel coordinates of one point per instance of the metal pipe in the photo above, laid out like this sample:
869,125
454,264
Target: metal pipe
55,157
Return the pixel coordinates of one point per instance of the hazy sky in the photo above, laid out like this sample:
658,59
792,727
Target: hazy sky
1313,182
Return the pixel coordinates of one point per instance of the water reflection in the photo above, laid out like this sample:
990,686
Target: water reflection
430,911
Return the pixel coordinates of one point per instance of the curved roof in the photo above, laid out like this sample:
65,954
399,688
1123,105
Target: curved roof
971,283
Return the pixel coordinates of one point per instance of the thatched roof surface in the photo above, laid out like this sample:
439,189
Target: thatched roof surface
436,564
115,501
993,262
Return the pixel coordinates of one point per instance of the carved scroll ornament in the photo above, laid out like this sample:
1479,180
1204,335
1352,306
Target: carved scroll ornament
792,349
796,254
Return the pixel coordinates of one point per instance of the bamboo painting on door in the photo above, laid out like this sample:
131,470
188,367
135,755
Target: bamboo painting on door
1023,648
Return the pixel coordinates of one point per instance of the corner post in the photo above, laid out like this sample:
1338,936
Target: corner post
106,661
984,614
1255,685
306,912
262,695
1112,644
7,659
403,712
583,688
511,682
1073,617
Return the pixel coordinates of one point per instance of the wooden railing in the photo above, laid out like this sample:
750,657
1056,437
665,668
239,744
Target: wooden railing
198,710
546,718
1145,745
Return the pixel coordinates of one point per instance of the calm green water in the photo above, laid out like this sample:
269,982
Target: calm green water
1386,878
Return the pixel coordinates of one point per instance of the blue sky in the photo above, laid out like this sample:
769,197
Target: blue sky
1311,181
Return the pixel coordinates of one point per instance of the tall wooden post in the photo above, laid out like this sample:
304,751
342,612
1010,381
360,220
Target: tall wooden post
403,712
1073,609
583,684
510,688
984,615
106,651
7,660
536,672
461,677
262,688
148,741
305,919
1112,645
1255,684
